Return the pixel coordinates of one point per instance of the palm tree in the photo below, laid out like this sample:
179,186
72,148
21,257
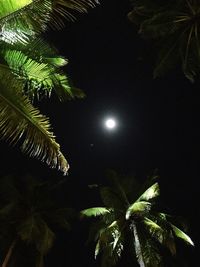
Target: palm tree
175,27
129,218
29,217
30,68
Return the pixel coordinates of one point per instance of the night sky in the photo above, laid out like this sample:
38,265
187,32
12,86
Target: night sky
158,123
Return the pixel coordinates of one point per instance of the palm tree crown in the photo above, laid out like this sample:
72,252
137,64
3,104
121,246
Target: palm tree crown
28,217
127,217
175,28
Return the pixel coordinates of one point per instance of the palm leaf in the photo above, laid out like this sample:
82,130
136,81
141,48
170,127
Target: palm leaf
154,229
152,192
65,8
138,208
18,118
26,17
30,17
182,235
39,65
40,78
96,211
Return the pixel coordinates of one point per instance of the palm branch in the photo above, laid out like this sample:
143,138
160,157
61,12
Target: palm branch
18,118
30,17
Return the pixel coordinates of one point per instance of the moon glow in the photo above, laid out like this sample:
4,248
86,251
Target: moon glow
110,123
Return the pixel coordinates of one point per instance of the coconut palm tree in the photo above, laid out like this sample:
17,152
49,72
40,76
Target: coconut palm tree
175,27
29,217
30,68
131,218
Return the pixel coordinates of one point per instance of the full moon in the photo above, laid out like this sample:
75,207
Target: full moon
110,123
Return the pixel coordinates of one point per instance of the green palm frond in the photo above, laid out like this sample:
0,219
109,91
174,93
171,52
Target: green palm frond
18,118
39,78
180,234
110,244
96,211
154,229
30,17
37,75
26,17
138,208
151,193
39,65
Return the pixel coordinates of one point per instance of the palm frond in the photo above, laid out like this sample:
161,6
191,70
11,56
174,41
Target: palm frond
151,193
151,254
30,17
96,211
154,229
180,234
39,65
18,118
26,17
66,8
138,208
174,26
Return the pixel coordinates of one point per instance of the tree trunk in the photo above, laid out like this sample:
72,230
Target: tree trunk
8,255
138,249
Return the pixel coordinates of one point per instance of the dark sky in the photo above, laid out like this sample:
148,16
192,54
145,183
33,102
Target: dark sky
159,122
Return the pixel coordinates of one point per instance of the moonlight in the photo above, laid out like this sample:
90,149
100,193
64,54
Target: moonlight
110,123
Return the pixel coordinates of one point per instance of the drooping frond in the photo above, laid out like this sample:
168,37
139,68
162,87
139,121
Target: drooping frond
138,208
97,211
110,243
152,192
154,229
180,234
35,74
19,119
39,65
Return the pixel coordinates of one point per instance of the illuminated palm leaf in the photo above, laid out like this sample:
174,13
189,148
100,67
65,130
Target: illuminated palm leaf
39,65
97,211
18,118
139,208
30,17
152,192
180,234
